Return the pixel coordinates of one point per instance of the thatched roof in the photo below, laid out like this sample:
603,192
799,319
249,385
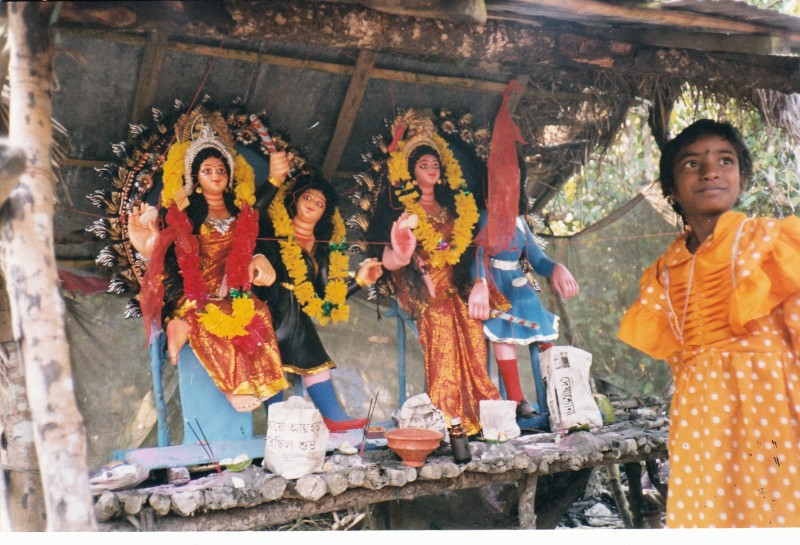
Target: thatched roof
330,73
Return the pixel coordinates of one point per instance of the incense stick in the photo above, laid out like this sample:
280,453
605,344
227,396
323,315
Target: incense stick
204,444
204,438
372,404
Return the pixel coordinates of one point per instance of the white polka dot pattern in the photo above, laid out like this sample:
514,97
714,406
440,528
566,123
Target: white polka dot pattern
733,329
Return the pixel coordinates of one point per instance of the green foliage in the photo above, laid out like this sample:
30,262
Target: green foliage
791,7
607,182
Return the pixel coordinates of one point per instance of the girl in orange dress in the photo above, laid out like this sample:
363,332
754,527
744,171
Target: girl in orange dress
722,304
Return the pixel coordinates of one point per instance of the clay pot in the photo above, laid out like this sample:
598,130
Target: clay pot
413,445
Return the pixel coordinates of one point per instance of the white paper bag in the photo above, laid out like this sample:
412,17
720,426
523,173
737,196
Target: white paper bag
499,417
296,439
565,370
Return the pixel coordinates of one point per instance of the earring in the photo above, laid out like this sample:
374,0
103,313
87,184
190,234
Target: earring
199,190
227,189
670,200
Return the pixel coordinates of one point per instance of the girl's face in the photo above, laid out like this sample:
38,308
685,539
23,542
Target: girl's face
707,178
212,176
427,171
310,206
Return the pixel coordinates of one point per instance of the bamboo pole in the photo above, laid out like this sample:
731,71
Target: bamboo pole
28,261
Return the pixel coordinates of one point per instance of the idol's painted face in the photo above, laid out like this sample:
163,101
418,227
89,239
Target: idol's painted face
707,177
212,176
427,171
311,206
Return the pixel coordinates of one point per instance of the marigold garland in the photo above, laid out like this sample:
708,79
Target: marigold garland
173,172
333,307
187,250
441,252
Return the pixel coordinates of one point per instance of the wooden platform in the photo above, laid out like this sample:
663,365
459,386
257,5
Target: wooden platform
255,498
195,455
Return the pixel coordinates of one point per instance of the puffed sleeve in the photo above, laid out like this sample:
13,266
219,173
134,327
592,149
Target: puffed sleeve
645,325
791,317
542,264
766,268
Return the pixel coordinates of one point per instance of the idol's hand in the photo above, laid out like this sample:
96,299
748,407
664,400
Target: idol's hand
143,229
177,335
369,271
478,305
563,282
278,167
403,244
261,271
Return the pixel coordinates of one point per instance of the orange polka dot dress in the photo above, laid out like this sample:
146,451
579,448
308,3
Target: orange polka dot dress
727,319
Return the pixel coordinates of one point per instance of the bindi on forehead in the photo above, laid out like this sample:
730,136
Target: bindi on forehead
706,146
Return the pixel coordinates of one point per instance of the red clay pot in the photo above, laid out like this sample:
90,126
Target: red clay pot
413,445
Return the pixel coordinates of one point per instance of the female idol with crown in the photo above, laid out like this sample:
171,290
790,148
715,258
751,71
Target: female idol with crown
201,267
428,215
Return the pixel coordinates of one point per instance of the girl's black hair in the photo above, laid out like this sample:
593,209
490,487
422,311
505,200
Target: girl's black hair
691,134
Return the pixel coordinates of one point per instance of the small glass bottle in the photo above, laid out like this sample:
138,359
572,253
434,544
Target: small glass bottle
459,442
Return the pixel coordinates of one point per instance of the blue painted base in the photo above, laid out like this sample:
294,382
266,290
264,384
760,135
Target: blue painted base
537,422
201,401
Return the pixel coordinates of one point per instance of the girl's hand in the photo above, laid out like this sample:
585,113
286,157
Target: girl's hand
478,305
563,282
369,271
177,335
261,271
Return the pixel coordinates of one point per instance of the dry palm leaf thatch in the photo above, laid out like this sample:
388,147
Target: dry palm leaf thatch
780,110
61,143
563,124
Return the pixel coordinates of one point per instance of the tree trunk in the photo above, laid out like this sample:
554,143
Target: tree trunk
21,498
29,266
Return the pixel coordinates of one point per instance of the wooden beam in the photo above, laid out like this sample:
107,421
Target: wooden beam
3,65
751,71
527,501
303,64
443,81
341,69
256,57
706,41
84,163
468,11
147,83
349,111
592,9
